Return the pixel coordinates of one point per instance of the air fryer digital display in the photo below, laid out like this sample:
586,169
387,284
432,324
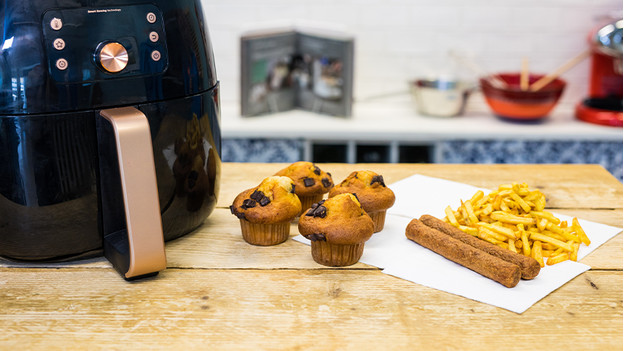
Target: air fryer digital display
73,38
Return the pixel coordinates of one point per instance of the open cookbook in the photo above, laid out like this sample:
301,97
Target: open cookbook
296,69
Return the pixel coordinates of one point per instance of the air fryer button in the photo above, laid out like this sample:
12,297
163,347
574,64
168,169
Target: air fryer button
61,64
59,44
113,57
151,17
153,37
156,55
56,23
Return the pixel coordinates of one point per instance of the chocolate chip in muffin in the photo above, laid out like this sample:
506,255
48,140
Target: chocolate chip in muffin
248,203
308,182
326,182
378,179
260,198
317,171
317,211
292,190
257,195
317,204
265,201
316,237
239,215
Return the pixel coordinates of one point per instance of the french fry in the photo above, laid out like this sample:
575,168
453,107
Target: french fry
556,259
476,197
581,233
520,202
546,215
547,253
492,233
536,253
509,218
508,233
469,212
487,209
514,217
563,233
526,248
511,245
545,238
450,215
574,254
469,230
483,235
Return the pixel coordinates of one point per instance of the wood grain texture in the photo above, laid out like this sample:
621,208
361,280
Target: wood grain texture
292,309
222,293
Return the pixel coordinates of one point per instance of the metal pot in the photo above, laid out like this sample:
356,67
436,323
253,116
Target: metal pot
440,97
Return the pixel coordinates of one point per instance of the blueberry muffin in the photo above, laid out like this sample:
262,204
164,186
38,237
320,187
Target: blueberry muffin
371,191
337,228
311,183
265,212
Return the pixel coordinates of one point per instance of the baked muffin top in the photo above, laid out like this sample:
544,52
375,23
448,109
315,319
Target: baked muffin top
370,189
309,179
337,220
273,201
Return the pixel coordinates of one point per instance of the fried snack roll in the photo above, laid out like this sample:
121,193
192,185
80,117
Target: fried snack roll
529,267
508,274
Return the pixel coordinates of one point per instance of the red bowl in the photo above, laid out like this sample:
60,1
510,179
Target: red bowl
514,103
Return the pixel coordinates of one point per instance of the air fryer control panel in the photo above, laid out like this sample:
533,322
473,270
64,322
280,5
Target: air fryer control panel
91,44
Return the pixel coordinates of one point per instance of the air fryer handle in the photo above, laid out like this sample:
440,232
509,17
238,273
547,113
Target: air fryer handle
135,246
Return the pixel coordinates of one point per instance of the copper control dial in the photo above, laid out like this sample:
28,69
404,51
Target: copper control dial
113,57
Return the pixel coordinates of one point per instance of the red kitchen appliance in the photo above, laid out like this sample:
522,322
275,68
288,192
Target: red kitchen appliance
604,104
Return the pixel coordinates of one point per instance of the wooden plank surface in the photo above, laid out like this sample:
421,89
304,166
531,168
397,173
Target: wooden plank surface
293,309
221,293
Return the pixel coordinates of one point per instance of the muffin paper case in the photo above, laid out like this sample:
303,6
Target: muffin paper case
379,219
334,255
337,228
265,234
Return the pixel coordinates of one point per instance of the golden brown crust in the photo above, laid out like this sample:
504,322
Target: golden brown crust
270,202
338,220
529,267
369,188
495,268
308,178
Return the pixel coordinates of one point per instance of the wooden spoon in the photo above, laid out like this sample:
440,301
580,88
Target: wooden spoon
542,82
524,74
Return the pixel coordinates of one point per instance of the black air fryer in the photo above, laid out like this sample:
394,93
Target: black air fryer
109,129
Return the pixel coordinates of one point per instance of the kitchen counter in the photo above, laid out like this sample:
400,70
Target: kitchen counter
394,118
389,129
218,292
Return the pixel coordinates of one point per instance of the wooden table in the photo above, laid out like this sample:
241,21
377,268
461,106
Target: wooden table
221,293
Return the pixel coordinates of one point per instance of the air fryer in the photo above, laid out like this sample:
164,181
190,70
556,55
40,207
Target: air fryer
109,129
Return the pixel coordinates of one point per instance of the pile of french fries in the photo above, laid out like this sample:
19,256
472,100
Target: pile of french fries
513,217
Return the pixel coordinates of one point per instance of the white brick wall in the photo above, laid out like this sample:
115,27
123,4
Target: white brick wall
397,40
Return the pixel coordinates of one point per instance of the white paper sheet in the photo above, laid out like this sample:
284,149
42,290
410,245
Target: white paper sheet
403,258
